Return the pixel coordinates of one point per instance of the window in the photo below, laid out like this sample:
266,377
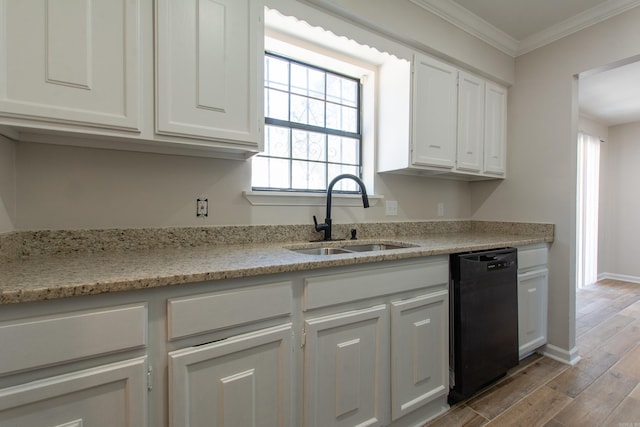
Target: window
312,128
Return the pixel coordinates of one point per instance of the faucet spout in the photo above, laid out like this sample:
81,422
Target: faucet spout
326,226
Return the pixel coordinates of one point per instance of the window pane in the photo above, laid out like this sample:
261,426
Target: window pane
307,81
342,91
276,104
268,172
342,118
343,150
308,145
308,175
307,111
276,73
343,184
276,141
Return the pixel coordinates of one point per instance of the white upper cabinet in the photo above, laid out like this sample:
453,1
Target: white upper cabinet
434,103
72,62
209,69
495,129
81,72
470,123
447,123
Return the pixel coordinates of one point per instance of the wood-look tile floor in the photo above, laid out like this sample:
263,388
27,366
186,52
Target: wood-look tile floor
602,389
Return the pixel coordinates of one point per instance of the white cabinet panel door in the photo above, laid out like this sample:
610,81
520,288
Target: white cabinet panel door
419,352
72,62
435,108
532,310
106,396
243,381
209,69
495,129
470,123
345,369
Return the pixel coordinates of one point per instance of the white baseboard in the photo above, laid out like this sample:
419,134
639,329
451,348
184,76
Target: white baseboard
622,277
570,357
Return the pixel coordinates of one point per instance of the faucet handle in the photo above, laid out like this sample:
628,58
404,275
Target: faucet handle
320,227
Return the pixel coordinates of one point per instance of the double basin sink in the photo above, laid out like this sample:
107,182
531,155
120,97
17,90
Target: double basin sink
347,248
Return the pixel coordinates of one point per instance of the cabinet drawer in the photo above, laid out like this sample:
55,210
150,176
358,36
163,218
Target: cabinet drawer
108,395
322,291
71,336
532,257
209,312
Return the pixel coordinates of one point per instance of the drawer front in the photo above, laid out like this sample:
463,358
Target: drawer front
532,257
108,395
322,291
49,340
214,311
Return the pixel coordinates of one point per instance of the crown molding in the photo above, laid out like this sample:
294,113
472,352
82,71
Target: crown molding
478,27
471,23
576,23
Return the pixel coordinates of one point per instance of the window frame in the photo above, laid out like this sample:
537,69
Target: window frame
325,131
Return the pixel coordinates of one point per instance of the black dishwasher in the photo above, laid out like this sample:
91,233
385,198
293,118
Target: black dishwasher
483,319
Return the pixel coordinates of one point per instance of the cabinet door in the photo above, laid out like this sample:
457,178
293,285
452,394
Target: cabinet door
532,310
73,62
434,101
209,69
470,123
346,369
243,381
495,129
110,395
419,352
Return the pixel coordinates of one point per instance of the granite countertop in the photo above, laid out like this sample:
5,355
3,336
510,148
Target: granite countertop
45,276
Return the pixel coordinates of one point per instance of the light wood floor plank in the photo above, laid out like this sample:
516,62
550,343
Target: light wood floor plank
499,398
574,381
598,401
536,409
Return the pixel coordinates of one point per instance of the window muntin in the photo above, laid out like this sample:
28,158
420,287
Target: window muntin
312,128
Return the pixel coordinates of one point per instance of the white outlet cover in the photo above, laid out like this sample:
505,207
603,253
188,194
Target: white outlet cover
391,207
202,207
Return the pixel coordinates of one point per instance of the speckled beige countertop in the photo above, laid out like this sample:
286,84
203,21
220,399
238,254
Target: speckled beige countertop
54,264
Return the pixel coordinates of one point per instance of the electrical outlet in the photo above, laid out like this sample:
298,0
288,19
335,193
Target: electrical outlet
440,209
202,207
391,207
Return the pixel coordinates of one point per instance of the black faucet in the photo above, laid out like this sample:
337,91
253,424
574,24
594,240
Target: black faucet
326,227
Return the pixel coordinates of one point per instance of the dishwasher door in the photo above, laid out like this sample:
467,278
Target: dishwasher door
484,319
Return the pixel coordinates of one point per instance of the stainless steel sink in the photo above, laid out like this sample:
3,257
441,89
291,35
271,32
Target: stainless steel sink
320,251
350,248
376,247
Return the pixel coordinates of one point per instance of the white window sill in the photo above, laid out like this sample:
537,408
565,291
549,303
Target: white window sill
282,198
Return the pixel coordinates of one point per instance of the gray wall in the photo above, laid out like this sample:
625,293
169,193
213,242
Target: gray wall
543,125
620,203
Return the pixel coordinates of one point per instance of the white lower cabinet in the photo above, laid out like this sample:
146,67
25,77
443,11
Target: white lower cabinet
419,351
532,310
109,395
63,367
240,381
345,368
376,354
533,283
362,345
